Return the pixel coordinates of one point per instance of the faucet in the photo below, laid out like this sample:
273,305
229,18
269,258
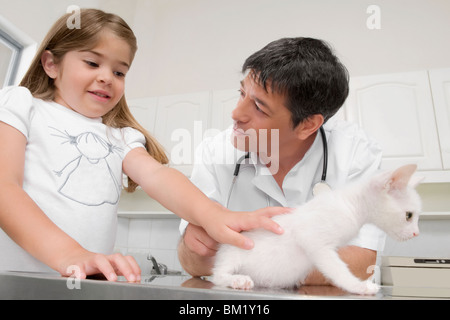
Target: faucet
159,268
156,266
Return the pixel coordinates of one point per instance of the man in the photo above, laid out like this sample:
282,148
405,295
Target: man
290,89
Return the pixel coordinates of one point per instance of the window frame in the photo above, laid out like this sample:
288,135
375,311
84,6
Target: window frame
17,49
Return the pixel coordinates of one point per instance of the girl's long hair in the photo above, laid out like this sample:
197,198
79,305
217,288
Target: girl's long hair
62,39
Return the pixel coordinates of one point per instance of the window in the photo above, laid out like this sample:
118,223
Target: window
10,53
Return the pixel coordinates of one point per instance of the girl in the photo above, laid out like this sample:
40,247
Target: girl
66,136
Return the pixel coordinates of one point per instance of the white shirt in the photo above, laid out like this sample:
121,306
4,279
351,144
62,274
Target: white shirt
351,155
73,171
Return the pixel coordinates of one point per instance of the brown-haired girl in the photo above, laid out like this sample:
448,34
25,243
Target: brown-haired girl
66,137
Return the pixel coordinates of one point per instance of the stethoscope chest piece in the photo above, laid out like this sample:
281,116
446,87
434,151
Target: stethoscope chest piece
320,187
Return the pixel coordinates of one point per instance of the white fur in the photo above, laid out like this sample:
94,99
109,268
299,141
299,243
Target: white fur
314,232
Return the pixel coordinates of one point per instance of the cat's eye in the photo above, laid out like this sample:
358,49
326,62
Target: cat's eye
409,215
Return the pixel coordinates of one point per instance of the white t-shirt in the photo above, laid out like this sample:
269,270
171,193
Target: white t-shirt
351,155
73,171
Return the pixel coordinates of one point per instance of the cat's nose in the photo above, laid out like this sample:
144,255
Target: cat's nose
415,234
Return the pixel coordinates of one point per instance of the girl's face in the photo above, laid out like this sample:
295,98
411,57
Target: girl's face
91,82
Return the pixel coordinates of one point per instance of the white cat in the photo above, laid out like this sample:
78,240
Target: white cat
314,232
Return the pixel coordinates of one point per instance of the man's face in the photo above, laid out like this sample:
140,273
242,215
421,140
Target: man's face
261,120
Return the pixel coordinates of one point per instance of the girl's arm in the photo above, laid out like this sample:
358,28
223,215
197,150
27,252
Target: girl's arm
29,226
174,191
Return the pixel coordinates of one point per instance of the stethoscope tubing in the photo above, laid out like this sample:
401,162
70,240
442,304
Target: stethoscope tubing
237,168
325,154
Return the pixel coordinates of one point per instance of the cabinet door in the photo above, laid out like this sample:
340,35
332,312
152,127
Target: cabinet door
397,111
144,110
223,103
440,86
181,122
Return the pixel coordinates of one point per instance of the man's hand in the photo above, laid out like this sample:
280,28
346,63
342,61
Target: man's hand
196,251
198,241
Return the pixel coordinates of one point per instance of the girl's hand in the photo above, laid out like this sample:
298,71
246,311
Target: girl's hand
85,263
225,226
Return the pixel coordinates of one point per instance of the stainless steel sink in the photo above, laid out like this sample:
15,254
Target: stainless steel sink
155,287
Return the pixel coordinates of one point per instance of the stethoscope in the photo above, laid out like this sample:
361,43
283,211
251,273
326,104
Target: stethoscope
319,187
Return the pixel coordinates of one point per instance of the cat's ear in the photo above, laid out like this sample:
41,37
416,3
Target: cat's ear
399,179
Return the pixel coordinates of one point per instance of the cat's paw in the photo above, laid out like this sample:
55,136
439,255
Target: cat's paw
365,288
241,282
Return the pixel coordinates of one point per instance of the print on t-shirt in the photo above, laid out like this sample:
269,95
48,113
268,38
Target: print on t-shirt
89,178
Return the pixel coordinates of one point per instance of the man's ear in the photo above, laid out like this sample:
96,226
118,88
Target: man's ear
308,126
49,64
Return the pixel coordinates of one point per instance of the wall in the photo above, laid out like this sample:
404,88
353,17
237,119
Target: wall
140,237
147,227
200,45
36,17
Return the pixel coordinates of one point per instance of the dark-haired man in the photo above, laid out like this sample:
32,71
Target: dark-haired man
290,89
